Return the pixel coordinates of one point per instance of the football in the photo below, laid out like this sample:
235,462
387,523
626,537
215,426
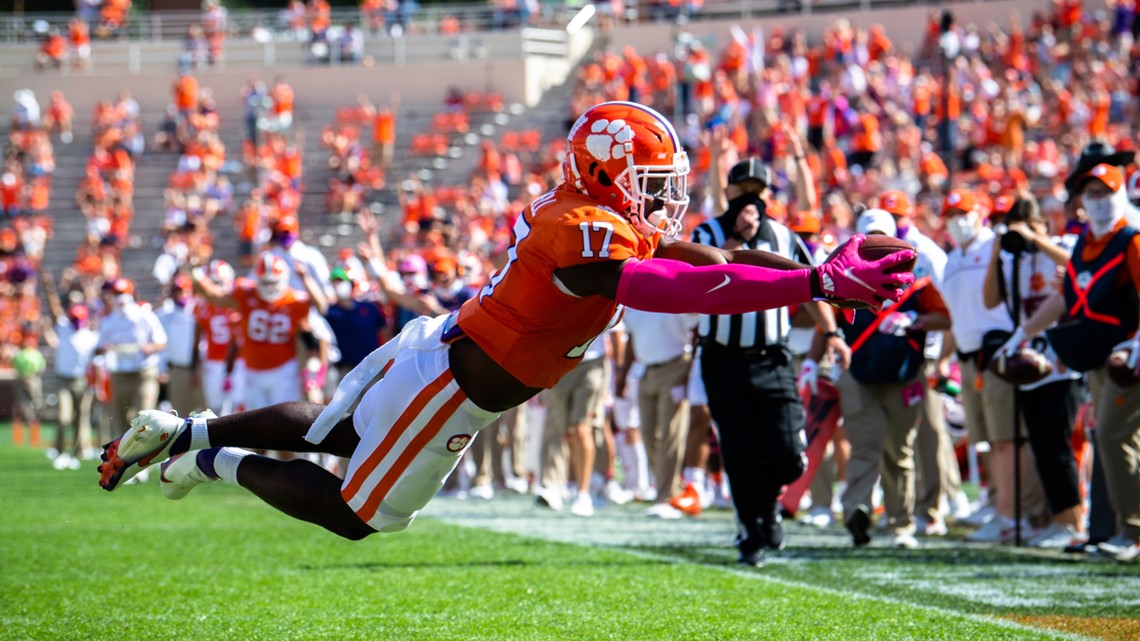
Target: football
1118,370
1022,367
874,247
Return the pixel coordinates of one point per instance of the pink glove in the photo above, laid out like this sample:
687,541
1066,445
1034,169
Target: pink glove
314,379
847,277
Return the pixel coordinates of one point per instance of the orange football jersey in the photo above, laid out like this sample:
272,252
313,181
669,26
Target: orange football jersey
523,318
218,325
269,330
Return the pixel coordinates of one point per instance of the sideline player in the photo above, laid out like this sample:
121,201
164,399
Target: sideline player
598,242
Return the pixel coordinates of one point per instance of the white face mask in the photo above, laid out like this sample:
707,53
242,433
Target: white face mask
1101,213
342,289
963,228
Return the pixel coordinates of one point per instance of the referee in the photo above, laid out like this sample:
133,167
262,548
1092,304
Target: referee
747,368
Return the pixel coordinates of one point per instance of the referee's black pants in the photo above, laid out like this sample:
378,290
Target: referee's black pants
760,420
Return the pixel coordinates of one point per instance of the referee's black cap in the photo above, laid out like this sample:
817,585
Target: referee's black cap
750,169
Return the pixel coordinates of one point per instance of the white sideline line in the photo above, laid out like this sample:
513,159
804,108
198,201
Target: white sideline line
474,515
758,574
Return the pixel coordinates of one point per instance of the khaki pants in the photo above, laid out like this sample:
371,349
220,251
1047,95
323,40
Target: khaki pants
577,399
75,400
131,392
487,450
29,399
1118,446
989,418
184,390
881,428
936,466
664,407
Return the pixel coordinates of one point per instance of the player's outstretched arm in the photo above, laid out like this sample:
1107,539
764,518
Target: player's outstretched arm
671,286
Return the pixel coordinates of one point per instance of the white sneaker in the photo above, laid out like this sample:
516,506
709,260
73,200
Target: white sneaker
981,516
517,485
929,528
1002,530
997,530
958,507
663,511
583,505
63,462
1054,536
482,491
550,497
52,453
820,517
180,474
616,494
904,541
1120,548
147,442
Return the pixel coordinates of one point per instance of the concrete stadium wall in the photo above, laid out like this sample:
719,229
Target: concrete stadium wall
315,87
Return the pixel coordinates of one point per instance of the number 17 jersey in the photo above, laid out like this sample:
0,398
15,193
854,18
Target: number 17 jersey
524,318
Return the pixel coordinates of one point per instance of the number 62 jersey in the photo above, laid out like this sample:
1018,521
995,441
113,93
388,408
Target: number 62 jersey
269,329
524,318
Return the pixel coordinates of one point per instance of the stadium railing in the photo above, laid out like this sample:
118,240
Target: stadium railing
424,19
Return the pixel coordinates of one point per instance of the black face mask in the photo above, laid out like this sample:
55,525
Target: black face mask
737,205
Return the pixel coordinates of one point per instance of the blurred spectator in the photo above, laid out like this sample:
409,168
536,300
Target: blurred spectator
195,50
29,364
282,113
59,117
351,44
53,51
214,23
79,39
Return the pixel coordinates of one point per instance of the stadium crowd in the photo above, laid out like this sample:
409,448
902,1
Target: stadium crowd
982,135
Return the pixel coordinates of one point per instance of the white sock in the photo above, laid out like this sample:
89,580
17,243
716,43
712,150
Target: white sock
694,475
628,459
642,465
199,434
227,461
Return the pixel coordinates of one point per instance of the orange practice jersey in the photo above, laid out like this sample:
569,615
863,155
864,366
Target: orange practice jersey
269,330
218,325
522,318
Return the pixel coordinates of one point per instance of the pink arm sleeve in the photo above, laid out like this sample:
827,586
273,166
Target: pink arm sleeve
674,287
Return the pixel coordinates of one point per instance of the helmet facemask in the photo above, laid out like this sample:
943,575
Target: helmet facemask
271,290
658,196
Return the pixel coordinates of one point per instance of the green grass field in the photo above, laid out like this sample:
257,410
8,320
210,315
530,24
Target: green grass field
79,563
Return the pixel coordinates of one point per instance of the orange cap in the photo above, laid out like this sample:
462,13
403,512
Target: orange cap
1003,204
896,202
1107,174
444,265
963,200
286,223
804,222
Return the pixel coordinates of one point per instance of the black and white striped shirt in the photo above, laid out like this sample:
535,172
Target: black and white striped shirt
754,329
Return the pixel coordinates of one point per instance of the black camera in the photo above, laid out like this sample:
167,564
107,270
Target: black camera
1014,242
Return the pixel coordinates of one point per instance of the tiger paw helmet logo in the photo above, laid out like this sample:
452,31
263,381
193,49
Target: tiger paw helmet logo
458,442
609,139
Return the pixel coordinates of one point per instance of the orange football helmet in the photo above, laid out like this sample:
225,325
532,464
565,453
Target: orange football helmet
628,157
272,277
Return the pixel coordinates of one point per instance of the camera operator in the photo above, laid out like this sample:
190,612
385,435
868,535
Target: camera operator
1049,406
1101,300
